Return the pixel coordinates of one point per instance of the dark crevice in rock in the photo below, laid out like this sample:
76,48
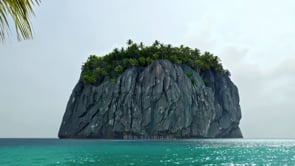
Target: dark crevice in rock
95,113
82,128
82,115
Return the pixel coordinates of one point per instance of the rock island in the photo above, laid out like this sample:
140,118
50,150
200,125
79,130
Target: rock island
157,91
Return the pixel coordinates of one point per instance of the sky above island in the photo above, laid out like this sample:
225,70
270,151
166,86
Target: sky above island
254,39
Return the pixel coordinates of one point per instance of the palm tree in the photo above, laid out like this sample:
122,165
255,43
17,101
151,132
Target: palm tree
20,11
129,42
156,43
141,46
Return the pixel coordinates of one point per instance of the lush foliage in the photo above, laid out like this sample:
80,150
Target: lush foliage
190,76
95,69
20,12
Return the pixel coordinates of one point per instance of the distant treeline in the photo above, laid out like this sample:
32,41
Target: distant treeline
96,68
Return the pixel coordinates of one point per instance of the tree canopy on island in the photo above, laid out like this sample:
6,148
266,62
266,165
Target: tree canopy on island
97,68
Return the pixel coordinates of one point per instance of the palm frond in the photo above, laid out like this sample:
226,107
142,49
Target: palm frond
20,11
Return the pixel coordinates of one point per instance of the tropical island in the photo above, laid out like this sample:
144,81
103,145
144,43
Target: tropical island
157,91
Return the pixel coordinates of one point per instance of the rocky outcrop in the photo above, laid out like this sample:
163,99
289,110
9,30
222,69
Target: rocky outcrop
160,100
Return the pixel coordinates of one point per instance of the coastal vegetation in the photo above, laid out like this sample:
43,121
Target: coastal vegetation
20,12
97,68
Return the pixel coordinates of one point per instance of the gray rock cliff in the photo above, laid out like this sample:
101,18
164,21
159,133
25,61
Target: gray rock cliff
160,100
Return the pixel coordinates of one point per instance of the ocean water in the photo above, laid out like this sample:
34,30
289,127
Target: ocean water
55,152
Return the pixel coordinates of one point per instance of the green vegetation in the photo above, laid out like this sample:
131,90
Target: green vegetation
20,12
205,80
190,76
110,66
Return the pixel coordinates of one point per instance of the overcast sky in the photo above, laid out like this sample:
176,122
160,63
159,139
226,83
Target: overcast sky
254,39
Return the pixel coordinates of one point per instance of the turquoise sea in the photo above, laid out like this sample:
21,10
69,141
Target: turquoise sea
70,152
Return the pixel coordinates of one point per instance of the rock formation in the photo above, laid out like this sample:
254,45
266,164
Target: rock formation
162,100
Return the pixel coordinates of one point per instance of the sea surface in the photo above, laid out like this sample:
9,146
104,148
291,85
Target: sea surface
71,152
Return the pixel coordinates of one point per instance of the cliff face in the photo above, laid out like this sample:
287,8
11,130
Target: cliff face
160,100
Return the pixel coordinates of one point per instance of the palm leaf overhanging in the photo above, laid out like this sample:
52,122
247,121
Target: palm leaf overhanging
20,12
